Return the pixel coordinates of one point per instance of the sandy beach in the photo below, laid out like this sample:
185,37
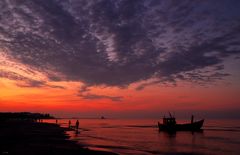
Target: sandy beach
31,138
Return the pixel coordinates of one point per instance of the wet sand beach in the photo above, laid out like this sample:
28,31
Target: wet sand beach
31,138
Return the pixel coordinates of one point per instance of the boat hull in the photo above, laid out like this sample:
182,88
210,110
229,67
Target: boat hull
196,126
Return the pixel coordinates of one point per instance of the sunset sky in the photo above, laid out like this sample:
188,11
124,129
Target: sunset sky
120,58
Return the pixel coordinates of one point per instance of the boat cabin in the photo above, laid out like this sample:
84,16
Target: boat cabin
169,121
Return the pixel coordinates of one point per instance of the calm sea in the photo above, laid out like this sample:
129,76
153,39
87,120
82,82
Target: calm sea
141,137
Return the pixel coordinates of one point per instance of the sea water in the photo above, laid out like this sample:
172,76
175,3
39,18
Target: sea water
142,137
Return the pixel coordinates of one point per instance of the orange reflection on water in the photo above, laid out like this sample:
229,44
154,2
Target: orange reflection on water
125,136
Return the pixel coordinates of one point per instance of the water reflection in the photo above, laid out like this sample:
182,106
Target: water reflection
143,137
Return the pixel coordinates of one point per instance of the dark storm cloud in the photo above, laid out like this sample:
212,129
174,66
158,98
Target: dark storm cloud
118,42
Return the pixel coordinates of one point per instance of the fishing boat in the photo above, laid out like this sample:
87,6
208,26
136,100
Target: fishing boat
169,124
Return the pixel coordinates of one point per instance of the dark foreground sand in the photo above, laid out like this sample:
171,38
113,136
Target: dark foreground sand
28,138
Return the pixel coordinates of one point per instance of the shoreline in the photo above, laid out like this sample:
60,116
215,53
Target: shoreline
33,138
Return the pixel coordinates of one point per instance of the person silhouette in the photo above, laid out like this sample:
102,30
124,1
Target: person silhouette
192,119
69,123
77,124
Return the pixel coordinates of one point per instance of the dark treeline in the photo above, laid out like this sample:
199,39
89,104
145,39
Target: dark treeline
23,116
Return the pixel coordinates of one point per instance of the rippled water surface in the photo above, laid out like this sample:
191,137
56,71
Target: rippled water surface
128,137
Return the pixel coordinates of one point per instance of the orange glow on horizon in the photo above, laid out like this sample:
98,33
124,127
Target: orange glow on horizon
46,99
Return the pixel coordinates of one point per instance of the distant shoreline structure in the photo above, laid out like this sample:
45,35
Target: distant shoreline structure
24,116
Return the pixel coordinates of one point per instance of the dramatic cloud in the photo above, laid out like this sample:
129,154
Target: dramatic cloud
23,75
34,83
118,42
84,93
95,97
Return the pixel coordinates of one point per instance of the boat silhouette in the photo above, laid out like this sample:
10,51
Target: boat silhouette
169,124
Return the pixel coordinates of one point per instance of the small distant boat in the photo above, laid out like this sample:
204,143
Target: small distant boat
170,125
